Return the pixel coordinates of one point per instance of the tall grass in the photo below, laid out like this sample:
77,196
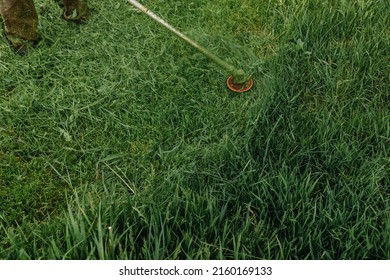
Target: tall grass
118,141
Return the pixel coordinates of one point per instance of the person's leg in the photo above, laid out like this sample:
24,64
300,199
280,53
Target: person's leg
76,10
20,22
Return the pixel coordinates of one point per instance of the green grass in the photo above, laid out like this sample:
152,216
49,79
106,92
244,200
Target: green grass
119,141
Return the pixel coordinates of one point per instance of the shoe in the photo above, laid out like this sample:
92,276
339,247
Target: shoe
19,45
76,11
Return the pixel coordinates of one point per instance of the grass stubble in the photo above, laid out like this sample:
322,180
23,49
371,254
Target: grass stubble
118,141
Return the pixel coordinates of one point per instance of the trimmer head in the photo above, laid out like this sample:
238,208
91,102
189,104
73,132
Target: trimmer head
237,87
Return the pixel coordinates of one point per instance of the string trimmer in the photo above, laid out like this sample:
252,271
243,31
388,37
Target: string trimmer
238,80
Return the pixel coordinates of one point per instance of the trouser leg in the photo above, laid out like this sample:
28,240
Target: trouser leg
20,19
76,10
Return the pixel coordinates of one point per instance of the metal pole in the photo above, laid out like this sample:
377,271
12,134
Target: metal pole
239,75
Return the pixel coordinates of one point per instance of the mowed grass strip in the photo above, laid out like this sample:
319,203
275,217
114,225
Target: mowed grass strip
119,141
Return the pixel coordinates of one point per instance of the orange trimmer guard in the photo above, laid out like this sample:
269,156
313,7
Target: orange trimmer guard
236,87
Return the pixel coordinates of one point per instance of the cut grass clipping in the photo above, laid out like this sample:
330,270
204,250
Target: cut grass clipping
119,141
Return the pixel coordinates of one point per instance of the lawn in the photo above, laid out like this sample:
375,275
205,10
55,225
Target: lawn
120,141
